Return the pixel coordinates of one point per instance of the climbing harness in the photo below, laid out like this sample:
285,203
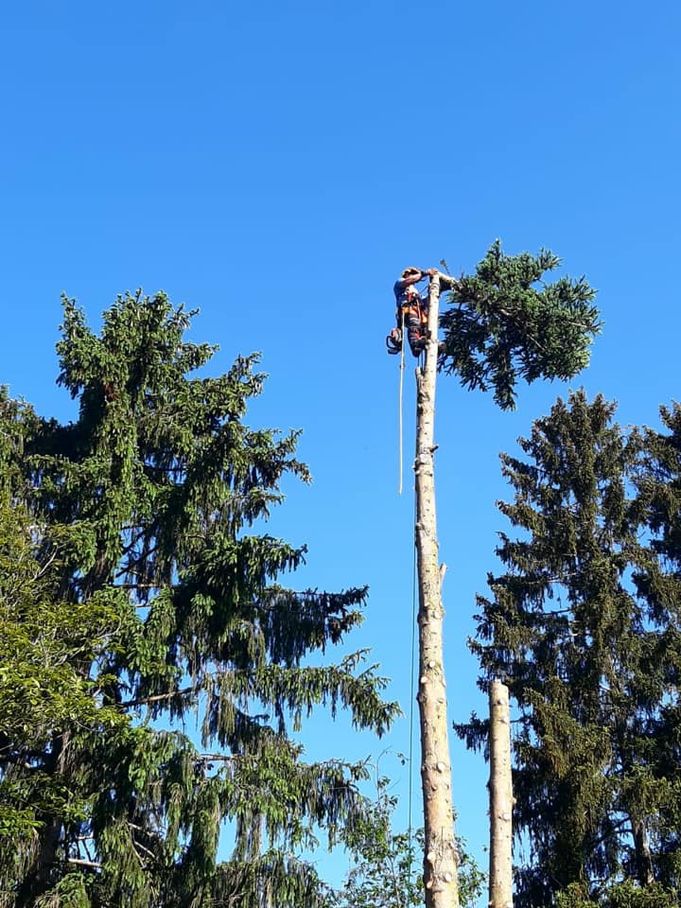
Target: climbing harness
413,318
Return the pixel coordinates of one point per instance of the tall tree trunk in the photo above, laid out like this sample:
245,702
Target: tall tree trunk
500,799
644,858
441,858
41,876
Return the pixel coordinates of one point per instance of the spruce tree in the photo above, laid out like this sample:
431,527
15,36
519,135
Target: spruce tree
40,689
140,511
658,483
582,653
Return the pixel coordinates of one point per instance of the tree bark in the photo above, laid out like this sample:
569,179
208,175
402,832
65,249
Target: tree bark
41,875
644,858
500,799
441,857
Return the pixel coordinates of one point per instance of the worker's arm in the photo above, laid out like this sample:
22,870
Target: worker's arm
401,285
415,278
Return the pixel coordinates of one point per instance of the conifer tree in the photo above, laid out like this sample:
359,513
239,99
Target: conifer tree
140,512
658,483
40,636
583,654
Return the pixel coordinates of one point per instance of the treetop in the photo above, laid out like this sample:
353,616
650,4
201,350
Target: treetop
504,323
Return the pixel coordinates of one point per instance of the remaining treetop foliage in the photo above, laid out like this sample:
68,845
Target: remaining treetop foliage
504,323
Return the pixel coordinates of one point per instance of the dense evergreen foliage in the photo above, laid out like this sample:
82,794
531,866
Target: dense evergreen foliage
659,492
133,598
583,627
504,323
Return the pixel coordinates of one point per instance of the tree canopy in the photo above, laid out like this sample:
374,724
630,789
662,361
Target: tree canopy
134,595
583,627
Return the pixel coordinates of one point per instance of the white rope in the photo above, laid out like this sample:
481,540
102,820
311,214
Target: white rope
400,405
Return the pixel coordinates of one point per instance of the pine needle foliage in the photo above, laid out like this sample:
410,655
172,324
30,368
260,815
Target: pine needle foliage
659,491
504,323
137,597
589,656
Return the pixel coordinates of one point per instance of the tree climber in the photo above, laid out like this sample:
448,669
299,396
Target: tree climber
412,311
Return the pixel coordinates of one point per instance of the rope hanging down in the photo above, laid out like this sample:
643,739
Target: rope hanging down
401,405
412,698
412,680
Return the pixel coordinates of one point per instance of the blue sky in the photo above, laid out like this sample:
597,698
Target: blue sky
276,165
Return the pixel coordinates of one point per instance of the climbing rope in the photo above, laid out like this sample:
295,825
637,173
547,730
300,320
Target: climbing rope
412,697
421,359
412,682
412,679
400,404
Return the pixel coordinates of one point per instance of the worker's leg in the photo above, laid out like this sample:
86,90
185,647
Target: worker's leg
415,333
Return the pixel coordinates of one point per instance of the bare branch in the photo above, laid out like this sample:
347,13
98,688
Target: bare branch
81,862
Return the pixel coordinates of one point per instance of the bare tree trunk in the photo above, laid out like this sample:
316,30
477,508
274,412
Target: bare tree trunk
500,799
441,858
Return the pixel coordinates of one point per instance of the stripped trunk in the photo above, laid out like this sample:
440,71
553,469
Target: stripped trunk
500,799
441,858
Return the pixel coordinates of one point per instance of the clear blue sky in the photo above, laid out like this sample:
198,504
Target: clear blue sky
276,164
